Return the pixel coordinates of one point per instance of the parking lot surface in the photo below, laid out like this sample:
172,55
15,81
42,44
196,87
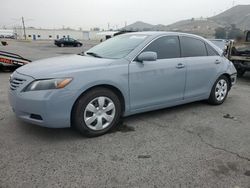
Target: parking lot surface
193,145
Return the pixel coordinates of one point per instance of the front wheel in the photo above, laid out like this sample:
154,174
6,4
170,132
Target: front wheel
219,91
96,112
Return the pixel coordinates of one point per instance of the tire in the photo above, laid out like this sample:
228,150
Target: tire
219,91
61,45
89,115
78,45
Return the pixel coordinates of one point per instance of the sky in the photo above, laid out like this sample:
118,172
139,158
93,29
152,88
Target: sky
88,14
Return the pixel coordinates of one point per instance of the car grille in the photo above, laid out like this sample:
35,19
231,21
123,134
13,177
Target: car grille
16,82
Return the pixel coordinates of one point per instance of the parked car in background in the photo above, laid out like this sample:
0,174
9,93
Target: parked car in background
128,74
10,37
67,42
221,43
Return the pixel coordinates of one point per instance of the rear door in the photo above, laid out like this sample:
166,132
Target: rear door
202,63
72,42
157,83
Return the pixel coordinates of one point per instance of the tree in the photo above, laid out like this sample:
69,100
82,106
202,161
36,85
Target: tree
234,32
220,33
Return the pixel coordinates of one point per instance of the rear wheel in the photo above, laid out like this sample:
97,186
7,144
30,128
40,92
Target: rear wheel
219,91
96,112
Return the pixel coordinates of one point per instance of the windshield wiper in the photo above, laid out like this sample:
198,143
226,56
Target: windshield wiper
94,54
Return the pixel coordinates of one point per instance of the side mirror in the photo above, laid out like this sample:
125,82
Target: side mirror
147,56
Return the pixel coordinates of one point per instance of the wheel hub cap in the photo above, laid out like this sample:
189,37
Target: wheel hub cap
221,90
99,113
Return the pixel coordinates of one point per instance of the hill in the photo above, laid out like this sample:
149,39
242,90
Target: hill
138,26
238,15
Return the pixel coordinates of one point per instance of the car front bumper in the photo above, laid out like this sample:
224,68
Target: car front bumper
47,108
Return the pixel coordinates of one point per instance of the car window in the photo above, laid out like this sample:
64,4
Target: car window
192,47
211,51
71,40
166,47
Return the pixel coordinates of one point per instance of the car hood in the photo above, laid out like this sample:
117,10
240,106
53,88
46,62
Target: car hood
63,65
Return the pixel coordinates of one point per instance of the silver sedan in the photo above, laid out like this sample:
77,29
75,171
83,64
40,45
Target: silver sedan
125,75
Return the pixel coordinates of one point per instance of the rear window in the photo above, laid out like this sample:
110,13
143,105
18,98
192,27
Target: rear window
192,47
211,51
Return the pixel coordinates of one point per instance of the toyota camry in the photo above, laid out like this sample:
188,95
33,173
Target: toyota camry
128,74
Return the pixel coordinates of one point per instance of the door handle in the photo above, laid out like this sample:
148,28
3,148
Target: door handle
217,61
180,66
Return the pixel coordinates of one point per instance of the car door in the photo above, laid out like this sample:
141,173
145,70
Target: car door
72,42
66,41
157,83
202,68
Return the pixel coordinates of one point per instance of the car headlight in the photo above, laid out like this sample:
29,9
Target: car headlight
48,84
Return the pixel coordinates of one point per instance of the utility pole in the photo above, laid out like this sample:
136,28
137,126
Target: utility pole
24,28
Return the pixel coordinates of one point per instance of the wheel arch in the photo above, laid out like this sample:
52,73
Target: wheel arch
107,86
223,74
229,79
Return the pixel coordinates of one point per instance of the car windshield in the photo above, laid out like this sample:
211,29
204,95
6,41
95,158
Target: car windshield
117,47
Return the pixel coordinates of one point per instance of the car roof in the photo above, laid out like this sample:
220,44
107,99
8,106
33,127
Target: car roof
155,34
159,33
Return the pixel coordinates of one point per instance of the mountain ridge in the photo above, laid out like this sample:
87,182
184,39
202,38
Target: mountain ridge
238,15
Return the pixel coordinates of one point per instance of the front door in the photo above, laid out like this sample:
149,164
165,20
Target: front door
158,83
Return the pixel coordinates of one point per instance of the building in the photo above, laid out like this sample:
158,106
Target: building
48,34
52,34
6,32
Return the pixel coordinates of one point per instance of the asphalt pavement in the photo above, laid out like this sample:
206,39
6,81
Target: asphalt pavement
194,145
